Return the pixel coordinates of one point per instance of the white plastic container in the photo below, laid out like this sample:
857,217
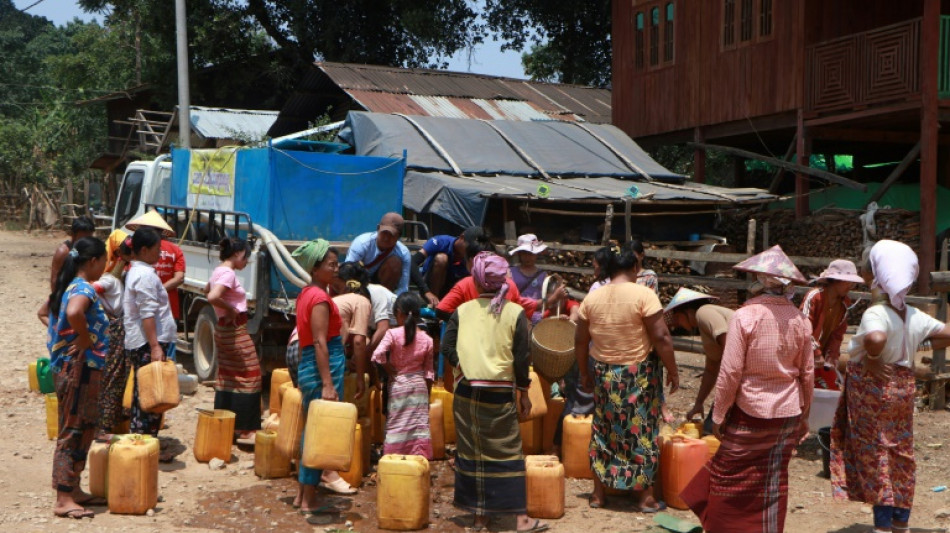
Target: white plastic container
823,406
187,383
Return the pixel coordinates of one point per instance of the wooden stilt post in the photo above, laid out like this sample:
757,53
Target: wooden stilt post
699,157
929,124
608,222
803,154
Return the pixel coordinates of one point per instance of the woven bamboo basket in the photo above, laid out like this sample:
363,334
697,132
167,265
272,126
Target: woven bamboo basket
552,343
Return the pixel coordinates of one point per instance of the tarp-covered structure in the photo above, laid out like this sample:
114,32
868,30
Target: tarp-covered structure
455,166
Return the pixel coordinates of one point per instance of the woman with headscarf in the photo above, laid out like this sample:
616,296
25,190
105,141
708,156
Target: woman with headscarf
320,370
872,440
621,326
826,307
763,394
487,341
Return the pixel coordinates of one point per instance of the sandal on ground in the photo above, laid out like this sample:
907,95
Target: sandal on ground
594,504
339,486
660,506
476,526
77,514
323,509
245,441
536,528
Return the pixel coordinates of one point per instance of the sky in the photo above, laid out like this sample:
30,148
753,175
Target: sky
486,59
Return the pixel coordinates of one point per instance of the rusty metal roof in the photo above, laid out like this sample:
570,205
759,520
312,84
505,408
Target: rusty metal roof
343,87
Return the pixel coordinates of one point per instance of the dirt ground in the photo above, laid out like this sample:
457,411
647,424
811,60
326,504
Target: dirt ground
195,498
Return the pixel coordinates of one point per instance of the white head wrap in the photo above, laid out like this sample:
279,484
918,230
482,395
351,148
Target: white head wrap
895,269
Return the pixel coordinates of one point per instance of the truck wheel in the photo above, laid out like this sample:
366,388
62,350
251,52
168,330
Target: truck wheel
203,350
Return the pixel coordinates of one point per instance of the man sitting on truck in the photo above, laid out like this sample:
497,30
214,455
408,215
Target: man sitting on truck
385,258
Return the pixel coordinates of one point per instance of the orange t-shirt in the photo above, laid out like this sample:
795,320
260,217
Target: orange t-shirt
615,314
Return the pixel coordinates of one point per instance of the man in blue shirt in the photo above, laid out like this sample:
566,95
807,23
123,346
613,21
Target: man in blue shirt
443,262
385,258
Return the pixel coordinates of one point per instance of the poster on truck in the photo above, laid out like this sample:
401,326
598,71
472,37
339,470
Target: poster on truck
211,179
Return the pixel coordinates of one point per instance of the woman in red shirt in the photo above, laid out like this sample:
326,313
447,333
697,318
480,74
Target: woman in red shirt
320,371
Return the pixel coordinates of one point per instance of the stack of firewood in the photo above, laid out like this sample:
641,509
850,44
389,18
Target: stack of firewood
828,233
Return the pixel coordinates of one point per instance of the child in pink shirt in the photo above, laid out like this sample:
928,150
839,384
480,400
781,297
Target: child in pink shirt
406,354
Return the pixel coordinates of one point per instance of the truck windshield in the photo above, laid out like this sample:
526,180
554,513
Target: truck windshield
129,198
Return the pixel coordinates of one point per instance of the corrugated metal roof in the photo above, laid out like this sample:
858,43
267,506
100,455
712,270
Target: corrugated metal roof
220,123
350,86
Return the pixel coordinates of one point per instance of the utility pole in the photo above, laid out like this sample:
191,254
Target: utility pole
184,103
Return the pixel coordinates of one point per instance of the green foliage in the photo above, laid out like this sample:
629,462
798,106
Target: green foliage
570,39
412,33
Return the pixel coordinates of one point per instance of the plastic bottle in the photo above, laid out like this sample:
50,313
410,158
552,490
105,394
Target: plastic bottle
214,435
268,461
133,475
158,386
577,432
539,406
291,423
544,485
278,377
531,436
328,435
402,496
52,416
354,475
680,459
44,375
448,416
436,430
32,378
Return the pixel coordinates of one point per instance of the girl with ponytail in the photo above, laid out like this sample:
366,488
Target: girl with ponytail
237,387
406,354
78,344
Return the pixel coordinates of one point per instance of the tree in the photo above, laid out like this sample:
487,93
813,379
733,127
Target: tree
409,33
571,39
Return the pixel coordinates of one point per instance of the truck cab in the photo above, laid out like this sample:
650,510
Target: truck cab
144,182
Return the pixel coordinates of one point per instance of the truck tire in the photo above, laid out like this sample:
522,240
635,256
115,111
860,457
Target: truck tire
203,349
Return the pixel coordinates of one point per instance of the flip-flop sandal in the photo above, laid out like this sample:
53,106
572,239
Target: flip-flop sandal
595,504
325,509
536,528
660,506
339,486
77,514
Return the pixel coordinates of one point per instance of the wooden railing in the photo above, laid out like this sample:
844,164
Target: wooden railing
872,67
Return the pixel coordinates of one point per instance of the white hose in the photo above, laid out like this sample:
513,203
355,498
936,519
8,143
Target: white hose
282,252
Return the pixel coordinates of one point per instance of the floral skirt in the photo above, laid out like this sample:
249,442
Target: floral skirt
623,450
872,440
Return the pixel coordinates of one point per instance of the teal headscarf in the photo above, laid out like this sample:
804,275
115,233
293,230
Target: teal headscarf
311,253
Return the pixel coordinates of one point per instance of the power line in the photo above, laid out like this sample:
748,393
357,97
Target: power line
31,6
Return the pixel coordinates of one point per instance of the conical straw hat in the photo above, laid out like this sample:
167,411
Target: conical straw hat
153,220
772,262
684,296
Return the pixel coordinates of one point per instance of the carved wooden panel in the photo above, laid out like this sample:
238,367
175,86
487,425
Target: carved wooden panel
865,68
891,58
833,73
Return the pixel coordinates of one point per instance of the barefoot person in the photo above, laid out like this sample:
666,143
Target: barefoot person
320,370
872,440
486,340
763,395
238,384
78,344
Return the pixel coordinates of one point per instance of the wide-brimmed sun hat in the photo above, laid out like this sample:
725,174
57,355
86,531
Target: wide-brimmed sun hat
153,220
529,243
772,262
685,296
841,270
